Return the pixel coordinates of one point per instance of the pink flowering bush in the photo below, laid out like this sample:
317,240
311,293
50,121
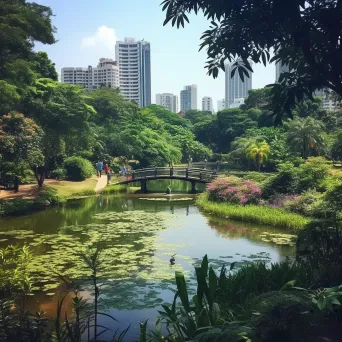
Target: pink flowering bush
234,190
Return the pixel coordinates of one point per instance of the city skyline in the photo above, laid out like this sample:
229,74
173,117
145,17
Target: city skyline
84,38
235,88
188,98
168,100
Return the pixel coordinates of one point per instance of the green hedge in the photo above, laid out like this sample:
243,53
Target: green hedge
78,168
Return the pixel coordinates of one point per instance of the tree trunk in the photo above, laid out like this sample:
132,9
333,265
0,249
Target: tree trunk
16,184
39,173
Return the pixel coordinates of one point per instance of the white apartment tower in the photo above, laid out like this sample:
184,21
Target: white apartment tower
188,98
105,74
207,104
134,59
235,88
280,68
221,104
168,101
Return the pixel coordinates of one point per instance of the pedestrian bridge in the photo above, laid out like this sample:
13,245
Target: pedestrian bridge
189,174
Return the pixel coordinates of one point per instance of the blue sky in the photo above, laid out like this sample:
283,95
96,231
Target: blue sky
88,29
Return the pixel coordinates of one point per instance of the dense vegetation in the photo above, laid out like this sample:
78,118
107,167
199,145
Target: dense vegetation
291,33
59,130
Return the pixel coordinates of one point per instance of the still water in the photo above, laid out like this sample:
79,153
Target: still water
139,235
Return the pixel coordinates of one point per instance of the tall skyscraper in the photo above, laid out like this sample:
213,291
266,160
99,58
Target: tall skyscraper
168,101
134,58
235,88
207,104
106,73
188,98
280,68
221,104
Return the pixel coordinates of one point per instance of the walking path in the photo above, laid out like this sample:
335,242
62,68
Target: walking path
101,184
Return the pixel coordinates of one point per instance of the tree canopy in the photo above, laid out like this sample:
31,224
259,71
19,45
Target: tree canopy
305,35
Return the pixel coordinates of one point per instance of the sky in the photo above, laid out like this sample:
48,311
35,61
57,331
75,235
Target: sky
88,29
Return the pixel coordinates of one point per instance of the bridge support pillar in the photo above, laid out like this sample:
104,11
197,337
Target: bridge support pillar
143,186
193,187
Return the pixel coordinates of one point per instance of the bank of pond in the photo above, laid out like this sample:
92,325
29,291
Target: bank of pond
109,266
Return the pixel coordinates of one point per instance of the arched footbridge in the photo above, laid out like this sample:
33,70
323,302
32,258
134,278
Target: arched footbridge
192,175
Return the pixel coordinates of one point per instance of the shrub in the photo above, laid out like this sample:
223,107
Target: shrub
320,244
258,177
306,204
58,173
234,190
282,316
285,182
78,168
312,173
292,180
334,197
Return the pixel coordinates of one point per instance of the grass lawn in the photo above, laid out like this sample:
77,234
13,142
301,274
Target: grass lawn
68,189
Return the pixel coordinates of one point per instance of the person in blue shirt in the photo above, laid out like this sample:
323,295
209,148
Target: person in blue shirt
99,167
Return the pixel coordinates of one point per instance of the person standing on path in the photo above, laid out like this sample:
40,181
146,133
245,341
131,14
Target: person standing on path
99,167
217,166
106,168
109,176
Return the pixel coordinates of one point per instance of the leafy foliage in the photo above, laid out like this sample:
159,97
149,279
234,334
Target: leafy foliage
305,136
78,168
293,31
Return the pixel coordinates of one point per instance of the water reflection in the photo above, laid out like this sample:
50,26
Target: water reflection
140,234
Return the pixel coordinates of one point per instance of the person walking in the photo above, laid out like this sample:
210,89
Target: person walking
205,163
217,166
106,168
109,176
99,167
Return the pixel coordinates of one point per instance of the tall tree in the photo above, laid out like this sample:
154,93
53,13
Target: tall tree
306,136
258,152
20,147
21,25
305,35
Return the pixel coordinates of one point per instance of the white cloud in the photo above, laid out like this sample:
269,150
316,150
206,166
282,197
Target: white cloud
104,36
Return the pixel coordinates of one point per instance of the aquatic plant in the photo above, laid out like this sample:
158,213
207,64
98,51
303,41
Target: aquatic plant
253,213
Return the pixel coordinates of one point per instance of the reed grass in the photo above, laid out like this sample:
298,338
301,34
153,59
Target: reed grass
253,213
114,189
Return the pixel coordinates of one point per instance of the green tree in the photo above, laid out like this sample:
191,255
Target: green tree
196,116
258,152
257,98
336,149
62,110
21,25
305,136
305,35
20,147
44,67
231,123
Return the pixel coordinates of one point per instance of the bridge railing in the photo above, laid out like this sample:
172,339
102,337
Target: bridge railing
194,173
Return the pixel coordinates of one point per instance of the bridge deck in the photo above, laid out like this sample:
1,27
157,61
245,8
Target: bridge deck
179,173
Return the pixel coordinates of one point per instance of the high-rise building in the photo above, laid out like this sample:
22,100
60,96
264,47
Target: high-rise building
327,102
168,101
221,104
134,58
207,104
280,68
106,73
188,98
235,87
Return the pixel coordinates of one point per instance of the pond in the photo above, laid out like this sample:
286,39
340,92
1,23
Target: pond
139,235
